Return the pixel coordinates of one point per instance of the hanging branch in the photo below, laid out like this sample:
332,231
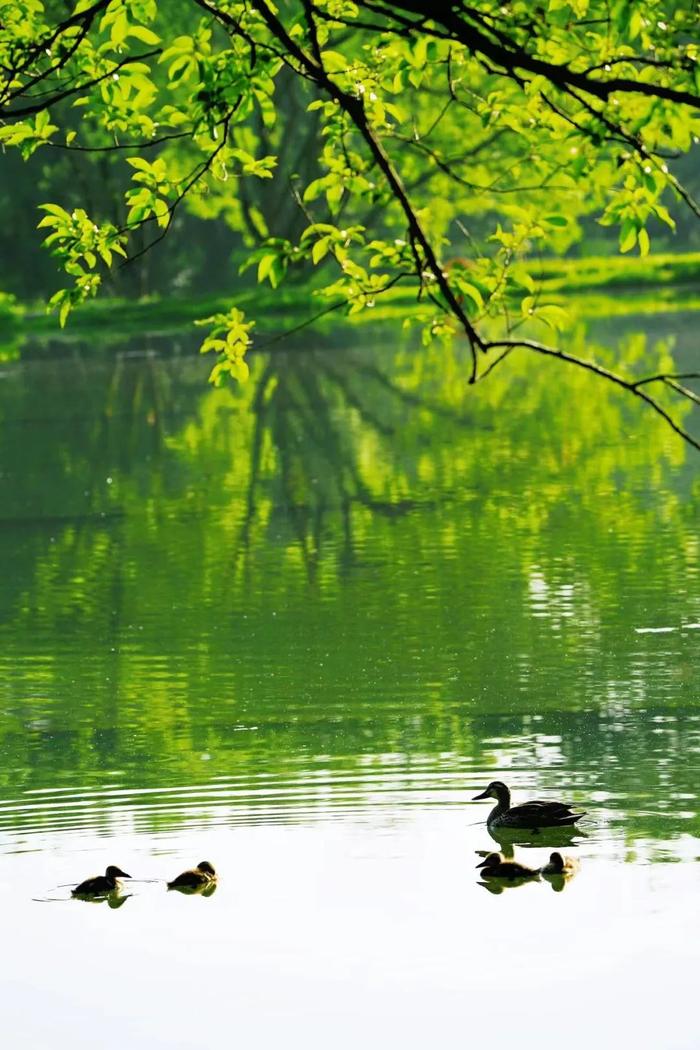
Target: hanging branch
631,385
355,110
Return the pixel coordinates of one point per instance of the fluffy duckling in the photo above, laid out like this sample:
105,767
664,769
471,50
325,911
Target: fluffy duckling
495,866
538,813
202,875
558,865
101,884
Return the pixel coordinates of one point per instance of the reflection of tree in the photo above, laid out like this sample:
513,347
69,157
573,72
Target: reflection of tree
342,559
311,419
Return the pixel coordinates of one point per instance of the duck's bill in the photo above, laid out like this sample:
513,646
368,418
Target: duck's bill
123,875
483,863
484,794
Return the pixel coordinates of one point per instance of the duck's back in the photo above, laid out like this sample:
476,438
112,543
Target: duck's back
541,813
97,884
191,878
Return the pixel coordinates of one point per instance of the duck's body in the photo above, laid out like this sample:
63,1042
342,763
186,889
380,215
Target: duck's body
538,813
99,885
495,866
194,878
559,866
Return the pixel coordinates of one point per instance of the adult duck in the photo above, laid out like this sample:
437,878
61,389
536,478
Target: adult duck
537,813
495,866
101,884
194,878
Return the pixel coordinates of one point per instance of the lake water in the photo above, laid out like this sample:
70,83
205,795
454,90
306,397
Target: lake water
292,628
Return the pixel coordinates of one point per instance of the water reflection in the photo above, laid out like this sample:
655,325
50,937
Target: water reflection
113,900
205,890
296,626
499,886
500,871
354,583
507,838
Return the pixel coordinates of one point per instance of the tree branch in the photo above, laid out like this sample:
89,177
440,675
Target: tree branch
632,386
355,110
38,107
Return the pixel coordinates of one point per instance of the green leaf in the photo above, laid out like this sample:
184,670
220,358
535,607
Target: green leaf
553,316
161,212
556,220
139,163
628,235
57,210
334,62
277,271
265,266
146,36
320,249
664,215
120,28
472,292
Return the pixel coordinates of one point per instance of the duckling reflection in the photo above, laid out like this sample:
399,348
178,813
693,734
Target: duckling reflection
101,885
206,889
112,900
559,870
201,879
498,886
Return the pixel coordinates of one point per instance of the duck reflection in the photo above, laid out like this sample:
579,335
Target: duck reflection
500,871
530,838
206,890
497,886
113,900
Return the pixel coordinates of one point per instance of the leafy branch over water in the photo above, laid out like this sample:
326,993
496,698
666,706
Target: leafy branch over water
448,145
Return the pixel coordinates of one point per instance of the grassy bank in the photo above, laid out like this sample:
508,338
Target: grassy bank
588,286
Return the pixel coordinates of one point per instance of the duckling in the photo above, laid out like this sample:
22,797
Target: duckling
558,865
537,813
101,884
495,866
202,875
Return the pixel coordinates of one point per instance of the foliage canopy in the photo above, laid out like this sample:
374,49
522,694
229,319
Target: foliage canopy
442,145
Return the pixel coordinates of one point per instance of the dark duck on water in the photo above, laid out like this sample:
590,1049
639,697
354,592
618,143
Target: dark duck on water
101,884
538,813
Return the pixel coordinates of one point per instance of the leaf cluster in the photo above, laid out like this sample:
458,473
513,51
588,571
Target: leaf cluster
451,145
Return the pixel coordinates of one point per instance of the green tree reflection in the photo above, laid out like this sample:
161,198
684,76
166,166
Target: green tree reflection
339,562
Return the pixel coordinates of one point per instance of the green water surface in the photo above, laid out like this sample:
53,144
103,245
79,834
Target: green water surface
294,627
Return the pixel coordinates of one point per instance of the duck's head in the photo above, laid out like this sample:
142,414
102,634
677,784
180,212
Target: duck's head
204,865
556,862
496,789
491,860
114,872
